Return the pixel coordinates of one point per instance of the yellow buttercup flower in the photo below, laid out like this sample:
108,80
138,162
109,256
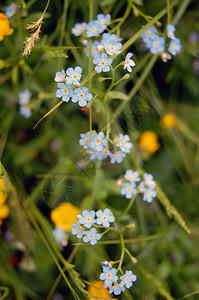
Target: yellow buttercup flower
168,121
149,141
97,289
65,215
4,209
4,27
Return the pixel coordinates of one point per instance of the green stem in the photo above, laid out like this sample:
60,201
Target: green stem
46,8
63,22
122,250
128,207
125,16
168,12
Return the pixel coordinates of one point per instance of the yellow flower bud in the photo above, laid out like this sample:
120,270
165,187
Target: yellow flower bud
168,121
149,141
4,27
65,215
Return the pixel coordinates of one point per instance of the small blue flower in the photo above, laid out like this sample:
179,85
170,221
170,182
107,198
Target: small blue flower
94,50
123,143
127,279
24,97
132,176
64,91
91,236
98,141
74,75
109,276
129,189
102,62
87,218
148,34
105,218
77,230
142,187
174,46
59,234
148,179
117,157
170,31
113,47
94,28
106,266
129,62
25,111
85,140
156,44
94,154
81,96
116,289
149,194
78,28
60,76
11,10
107,37
104,19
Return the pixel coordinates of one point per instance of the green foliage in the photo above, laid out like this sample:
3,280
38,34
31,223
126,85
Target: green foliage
45,166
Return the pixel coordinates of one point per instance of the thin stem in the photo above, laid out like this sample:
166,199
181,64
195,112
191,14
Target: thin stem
128,207
63,21
125,16
168,12
122,250
46,8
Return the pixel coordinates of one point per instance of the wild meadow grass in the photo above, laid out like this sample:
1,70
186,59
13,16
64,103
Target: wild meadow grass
99,149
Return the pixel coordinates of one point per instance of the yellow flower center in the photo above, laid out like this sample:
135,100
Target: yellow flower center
97,141
155,44
81,95
104,218
103,63
91,235
88,219
65,91
94,29
109,275
87,140
102,21
148,193
127,62
117,155
112,48
131,177
129,189
127,279
74,76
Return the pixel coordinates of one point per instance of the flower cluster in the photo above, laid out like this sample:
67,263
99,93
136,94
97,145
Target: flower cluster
107,44
65,83
110,278
24,99
146,186
96,145
87,220
156,43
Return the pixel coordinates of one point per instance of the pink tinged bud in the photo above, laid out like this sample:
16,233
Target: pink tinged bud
78,217
119,182
99,48
85,42
64,243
